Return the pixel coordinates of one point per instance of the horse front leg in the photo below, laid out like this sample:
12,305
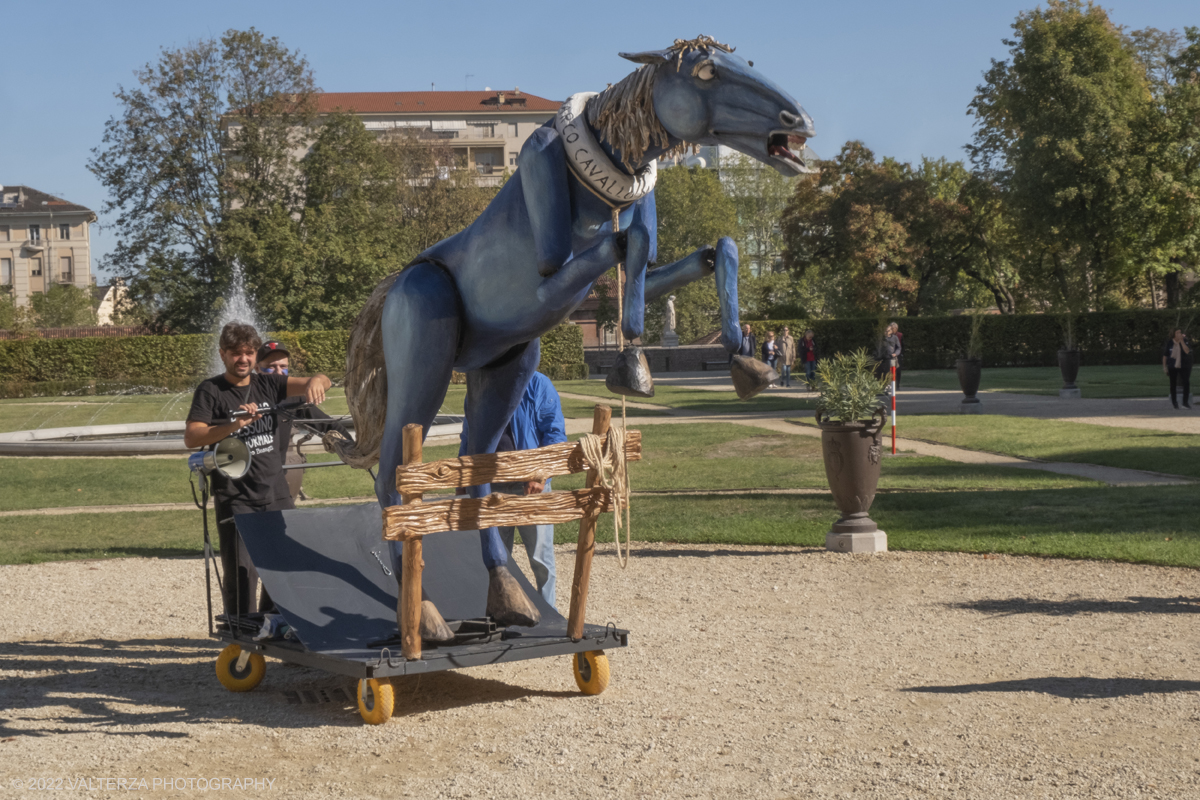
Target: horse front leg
630,374
750,376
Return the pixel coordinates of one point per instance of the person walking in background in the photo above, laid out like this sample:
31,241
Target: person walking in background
770,350
890,351
1177,363
748,346
808,357
537,422
787,355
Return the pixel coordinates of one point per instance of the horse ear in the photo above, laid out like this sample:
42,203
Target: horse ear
649,56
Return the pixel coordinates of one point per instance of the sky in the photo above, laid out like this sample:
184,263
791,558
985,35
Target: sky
896,75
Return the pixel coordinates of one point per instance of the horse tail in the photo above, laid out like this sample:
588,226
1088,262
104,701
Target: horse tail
366,383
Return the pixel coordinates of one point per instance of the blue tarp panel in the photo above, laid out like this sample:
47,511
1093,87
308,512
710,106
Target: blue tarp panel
327,571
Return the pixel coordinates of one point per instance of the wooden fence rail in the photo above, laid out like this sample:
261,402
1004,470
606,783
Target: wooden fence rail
409,522
510,467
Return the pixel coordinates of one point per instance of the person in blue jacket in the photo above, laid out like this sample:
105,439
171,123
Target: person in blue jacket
537,422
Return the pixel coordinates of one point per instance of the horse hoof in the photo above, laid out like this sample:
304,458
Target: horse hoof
433,627
507,603
630,374
750,376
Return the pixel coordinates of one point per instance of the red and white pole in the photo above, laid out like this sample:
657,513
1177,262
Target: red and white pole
893,407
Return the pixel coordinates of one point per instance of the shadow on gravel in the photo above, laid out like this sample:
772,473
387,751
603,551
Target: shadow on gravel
136,686
1059,608
132,688
441,691
1081,688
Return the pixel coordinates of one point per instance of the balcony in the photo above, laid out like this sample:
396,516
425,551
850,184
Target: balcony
34,245
66,277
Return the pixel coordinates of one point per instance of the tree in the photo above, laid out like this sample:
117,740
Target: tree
760,195
314,269
1055,131
1169,225
693,212
895,238
210,127
436,193
63,306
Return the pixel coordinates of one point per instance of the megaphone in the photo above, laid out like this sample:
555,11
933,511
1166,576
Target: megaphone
229,457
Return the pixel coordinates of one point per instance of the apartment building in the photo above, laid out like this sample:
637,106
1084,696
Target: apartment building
44,241
487,129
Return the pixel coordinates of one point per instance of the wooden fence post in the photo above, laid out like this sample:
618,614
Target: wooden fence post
412,563
587,540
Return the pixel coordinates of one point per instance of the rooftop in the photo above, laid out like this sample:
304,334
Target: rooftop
26,200
489,101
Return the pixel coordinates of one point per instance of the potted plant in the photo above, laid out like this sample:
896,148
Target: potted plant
1069,360
850,416
970,368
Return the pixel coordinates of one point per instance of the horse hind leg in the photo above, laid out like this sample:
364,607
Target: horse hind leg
493,395
420,327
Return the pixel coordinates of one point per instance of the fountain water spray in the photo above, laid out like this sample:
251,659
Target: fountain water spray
237,308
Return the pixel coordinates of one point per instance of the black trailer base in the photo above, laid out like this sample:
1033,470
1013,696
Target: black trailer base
334,582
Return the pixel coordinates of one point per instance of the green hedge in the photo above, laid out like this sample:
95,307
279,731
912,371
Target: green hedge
1018,340
562,353
175,358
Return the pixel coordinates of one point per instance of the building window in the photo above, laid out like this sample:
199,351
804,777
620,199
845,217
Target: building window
35,268
64,232
4,233
64,270
35,233
6,276
512,159
512,130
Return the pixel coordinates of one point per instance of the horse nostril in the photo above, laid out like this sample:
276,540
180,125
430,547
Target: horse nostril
788,119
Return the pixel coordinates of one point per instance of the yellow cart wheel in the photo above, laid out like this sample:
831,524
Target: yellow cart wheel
376,707
591,671
247,677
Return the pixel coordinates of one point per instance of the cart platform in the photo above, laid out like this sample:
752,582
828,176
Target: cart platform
334,581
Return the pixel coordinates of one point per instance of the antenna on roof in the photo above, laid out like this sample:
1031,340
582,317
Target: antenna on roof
431,86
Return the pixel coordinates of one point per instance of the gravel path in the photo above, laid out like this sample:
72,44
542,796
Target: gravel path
752,672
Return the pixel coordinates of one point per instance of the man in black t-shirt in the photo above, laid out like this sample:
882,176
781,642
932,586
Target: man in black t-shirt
273,359
263,487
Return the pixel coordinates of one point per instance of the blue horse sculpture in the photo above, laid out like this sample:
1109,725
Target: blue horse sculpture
478,301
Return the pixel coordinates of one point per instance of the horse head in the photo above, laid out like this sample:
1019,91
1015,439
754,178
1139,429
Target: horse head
698,92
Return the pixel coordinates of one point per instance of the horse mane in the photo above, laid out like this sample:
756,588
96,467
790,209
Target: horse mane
623,114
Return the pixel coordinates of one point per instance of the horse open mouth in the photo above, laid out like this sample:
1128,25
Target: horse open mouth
788,147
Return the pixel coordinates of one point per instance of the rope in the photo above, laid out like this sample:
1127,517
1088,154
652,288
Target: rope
620,495
612,473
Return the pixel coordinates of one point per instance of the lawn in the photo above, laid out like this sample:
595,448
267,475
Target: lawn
681,456
65,412
1152,525
1052,440
698,400
1134,381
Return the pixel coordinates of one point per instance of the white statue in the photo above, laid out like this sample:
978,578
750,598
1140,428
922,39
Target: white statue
669,337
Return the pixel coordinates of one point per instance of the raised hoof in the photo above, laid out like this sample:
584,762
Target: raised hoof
433,627
750,376
630,374
507,603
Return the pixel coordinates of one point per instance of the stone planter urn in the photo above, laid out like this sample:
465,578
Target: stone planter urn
970,370
1068,365
852,453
